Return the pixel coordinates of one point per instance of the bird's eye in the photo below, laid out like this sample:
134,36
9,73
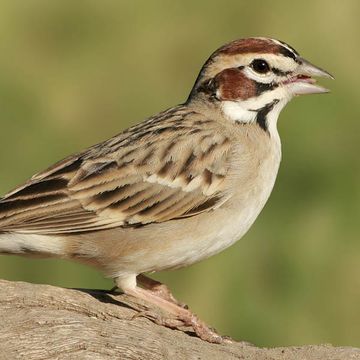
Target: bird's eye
260,66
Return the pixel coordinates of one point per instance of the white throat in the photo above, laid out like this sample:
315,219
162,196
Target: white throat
247,111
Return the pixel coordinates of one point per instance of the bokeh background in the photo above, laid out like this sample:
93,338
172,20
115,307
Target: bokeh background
73,73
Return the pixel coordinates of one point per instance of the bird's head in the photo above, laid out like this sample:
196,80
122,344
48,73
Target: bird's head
252,79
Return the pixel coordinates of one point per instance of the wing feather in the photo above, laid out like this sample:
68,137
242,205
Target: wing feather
166,168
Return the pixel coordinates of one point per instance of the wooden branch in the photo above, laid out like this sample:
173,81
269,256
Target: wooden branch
46,322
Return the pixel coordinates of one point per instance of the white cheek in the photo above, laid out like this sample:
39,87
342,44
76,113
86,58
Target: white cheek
245,111
255,103
235,111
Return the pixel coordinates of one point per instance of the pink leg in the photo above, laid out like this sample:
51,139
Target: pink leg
159,289
182,316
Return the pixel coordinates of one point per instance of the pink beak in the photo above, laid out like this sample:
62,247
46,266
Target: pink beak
302,82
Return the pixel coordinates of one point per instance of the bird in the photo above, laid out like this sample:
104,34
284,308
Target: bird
172,190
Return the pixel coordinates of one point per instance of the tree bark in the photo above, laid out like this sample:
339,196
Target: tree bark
47,322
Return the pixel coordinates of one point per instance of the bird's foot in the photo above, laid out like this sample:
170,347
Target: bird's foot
181,322
180,317
203,331
170,312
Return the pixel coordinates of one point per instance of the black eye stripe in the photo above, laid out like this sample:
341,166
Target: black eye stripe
279,72
262,87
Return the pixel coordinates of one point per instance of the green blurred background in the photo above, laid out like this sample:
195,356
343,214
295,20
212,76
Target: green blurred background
73,73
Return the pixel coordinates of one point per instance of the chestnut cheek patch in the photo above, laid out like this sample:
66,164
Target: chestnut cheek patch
232,84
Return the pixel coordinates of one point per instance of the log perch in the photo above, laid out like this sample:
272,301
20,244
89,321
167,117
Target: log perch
47,322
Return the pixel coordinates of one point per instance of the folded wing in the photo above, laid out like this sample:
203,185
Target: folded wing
169,167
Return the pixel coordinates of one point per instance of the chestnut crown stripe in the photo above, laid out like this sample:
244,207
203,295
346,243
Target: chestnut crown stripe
257,45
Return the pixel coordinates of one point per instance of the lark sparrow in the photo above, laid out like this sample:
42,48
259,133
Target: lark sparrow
175,189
